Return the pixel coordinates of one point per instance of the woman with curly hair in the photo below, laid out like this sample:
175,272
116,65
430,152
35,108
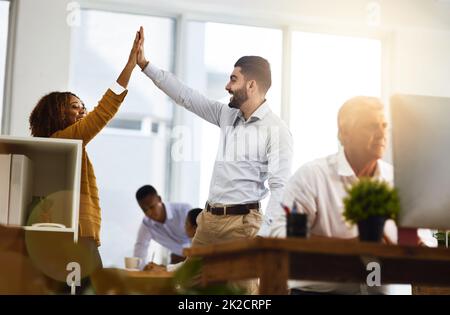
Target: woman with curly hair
63,115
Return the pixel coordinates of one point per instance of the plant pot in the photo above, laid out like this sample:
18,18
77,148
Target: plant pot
371,229
297,225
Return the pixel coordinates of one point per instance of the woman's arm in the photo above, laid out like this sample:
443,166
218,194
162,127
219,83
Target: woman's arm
88,127
183,95
125,75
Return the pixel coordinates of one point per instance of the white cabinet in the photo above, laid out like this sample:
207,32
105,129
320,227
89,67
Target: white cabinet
55,183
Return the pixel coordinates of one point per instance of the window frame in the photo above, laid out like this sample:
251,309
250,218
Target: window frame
287,25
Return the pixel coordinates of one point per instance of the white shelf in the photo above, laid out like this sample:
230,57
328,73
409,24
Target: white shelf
57,173
48,229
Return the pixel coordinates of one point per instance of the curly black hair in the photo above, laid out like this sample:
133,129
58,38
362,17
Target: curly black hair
48,116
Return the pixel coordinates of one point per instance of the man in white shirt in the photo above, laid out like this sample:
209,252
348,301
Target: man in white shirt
165,223
255,146
318,187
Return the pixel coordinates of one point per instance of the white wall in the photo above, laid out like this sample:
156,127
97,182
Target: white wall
187,170
41,57
421,62
421,13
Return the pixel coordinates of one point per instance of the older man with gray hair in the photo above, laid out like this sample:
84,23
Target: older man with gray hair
318,187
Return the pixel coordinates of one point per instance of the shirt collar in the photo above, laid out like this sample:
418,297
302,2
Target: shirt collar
344,168
169,211
258,114
261,111
381,171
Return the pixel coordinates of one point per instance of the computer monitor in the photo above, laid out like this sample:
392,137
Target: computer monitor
421,156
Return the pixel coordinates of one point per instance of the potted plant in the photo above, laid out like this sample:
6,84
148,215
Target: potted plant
369,204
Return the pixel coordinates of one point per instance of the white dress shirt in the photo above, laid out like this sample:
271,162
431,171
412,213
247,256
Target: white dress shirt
250,151
171,234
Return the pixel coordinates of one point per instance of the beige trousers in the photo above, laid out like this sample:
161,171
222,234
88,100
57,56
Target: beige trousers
213,229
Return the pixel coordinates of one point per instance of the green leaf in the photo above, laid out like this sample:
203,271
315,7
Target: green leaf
370,197
187,277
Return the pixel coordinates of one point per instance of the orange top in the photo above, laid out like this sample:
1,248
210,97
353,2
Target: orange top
86,129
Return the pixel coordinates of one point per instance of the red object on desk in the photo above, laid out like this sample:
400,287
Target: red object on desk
408,236
285,208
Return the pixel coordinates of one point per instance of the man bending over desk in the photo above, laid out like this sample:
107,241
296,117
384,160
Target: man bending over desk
165,223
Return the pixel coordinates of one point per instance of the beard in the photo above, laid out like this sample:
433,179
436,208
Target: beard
239,97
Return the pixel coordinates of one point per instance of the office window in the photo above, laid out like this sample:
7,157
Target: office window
326,71
132,150
4,20
213,49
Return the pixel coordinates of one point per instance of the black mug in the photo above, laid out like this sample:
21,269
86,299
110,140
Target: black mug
297,225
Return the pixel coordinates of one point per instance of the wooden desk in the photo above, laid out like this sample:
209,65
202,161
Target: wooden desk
121,281
274,261
18,275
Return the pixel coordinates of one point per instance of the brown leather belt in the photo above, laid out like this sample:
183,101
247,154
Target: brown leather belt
232,209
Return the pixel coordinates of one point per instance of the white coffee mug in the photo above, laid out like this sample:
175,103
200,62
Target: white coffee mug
132,263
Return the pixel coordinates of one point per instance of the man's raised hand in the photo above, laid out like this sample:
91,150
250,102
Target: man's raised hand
141,61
